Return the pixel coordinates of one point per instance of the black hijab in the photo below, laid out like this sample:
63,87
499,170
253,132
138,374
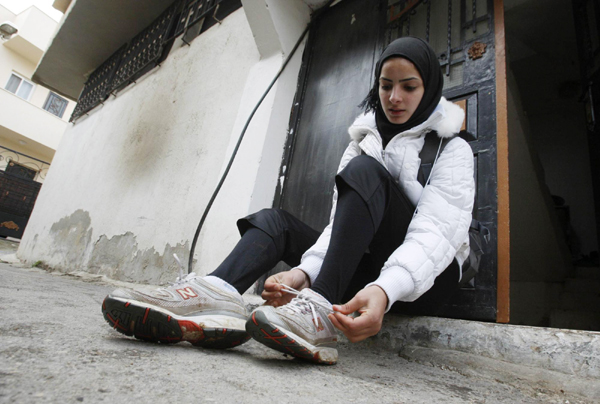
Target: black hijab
425,60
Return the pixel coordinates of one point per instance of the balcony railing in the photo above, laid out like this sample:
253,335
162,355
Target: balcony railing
144,52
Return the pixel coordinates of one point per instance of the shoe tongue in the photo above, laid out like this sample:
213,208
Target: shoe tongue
315,296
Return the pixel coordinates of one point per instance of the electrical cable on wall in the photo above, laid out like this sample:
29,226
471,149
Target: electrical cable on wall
237,146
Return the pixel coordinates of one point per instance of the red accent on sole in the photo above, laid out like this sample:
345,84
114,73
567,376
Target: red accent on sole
254,319
224,330
117,325
127,304
169,319
191,331
274,338
146,315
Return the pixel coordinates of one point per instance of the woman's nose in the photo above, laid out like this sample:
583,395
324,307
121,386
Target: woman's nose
396,95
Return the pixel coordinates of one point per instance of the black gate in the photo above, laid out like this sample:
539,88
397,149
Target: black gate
17,197
337,70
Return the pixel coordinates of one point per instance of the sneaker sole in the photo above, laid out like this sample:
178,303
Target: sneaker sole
287,342
150,324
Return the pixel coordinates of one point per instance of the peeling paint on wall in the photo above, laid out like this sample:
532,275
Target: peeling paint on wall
71,235
118,257
70,248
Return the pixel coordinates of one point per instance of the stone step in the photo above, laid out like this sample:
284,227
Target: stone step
575,320
588,272
579,285
579,301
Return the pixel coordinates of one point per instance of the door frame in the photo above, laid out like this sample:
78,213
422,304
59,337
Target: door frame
503,230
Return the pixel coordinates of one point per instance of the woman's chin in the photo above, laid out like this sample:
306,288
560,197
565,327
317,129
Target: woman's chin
398,120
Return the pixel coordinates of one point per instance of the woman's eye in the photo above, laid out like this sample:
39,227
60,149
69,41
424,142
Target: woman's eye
410,88
386,87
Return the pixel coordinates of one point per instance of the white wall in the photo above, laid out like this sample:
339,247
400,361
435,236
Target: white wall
250,186
24,118
6,14
539,255
36,27
129,182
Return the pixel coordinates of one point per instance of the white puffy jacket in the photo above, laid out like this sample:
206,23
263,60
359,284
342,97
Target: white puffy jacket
439,230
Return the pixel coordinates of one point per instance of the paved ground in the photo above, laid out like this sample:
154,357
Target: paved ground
56,347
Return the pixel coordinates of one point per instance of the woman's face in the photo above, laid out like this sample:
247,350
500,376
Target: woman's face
400,89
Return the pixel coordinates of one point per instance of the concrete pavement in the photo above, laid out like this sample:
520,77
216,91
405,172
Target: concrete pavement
56,347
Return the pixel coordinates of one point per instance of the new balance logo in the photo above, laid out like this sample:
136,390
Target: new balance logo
318,324
187,293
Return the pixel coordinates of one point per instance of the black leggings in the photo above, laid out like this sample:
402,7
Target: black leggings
372,214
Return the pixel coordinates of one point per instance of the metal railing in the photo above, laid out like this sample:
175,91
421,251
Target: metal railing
448,25
144,52
8,155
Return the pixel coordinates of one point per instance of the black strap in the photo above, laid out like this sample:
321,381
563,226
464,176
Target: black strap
479,235
429,151
427,156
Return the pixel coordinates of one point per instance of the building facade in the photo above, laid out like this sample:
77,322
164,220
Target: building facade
32,118
166,89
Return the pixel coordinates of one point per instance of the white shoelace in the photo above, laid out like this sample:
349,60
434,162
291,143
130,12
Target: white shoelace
182,278
298,304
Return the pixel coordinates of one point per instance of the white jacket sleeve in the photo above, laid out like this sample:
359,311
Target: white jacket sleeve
312,260
439,228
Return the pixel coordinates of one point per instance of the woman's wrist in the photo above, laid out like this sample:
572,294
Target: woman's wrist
306,283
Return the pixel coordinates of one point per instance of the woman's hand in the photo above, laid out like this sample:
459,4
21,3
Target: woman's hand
274,296
371,304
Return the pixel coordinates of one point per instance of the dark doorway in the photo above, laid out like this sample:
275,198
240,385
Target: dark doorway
549,82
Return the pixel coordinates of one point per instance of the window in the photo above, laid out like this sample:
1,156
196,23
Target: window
55,104
19,86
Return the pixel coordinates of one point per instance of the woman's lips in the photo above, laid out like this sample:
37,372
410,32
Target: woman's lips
396,112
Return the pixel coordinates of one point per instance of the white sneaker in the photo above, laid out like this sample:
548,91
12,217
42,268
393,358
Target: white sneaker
191,309
300,328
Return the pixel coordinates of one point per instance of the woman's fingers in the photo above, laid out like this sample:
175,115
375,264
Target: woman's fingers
294,278
270,295
273,283
355,329
371,303
350,307
355,325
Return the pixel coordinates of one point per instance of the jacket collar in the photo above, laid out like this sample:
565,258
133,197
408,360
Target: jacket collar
446,119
